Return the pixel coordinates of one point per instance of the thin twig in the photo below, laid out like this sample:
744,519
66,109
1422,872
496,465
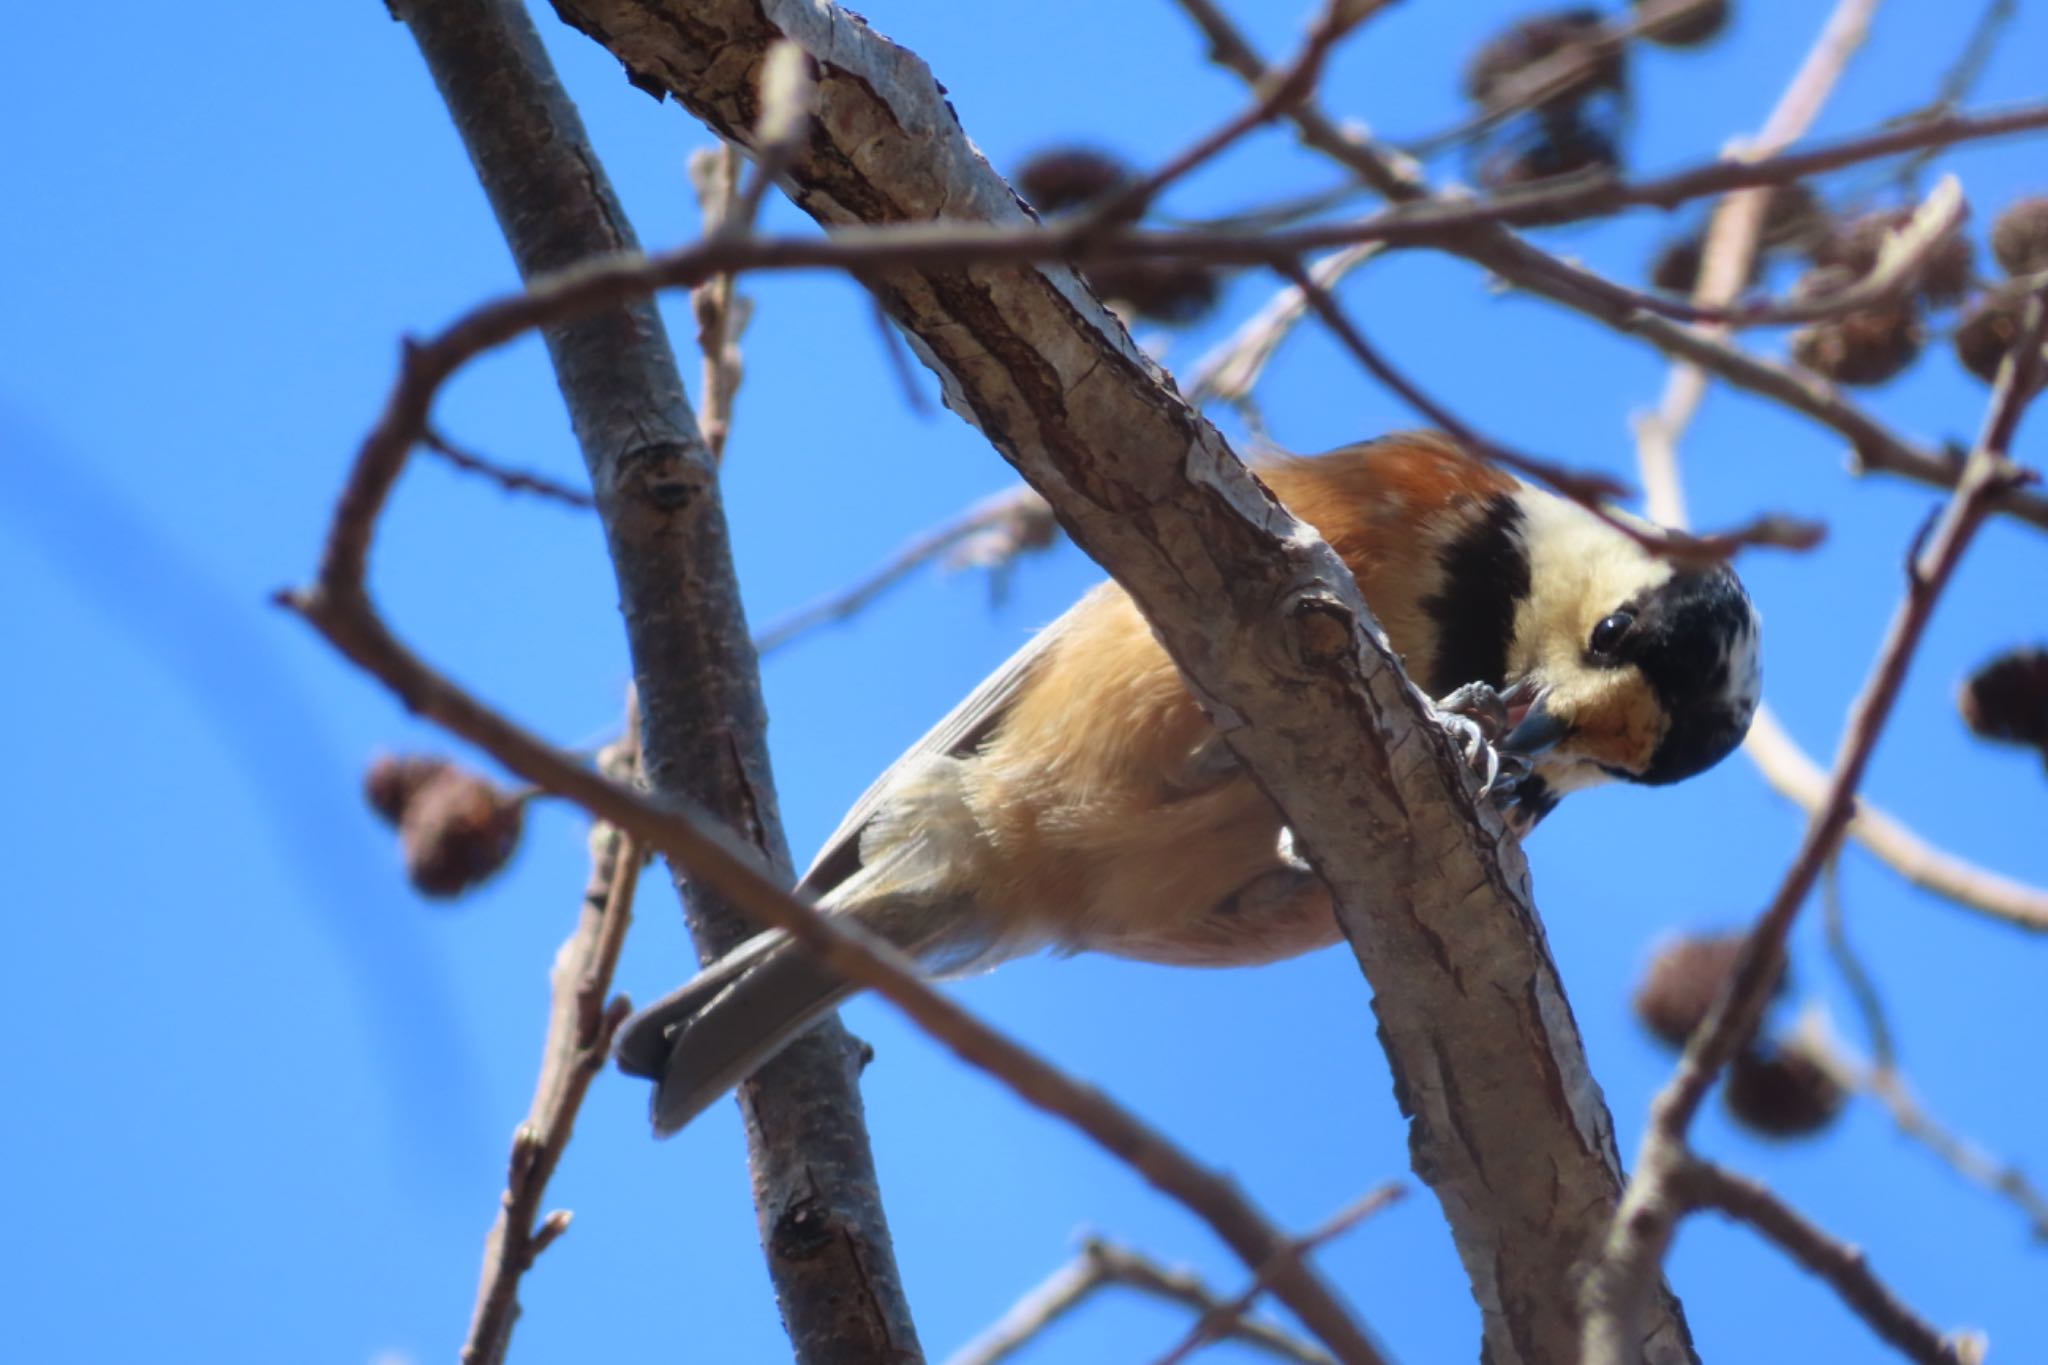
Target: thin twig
1230,371
1726,254
1794,775
1285,87
1877,448
722,312
1643,1223
1959,80
1706,1186
1559,72
1590,491
1219,1320
991,534
1887,1085
511,480
1862,986
339,607
579,1040
788,99
1101,1265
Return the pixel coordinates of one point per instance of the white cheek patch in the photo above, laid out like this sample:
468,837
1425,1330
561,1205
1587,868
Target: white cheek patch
1580,569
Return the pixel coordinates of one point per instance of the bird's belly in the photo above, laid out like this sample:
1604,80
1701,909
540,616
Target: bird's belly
1198,882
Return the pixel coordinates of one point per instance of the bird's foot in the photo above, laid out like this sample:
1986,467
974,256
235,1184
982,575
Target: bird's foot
1476,717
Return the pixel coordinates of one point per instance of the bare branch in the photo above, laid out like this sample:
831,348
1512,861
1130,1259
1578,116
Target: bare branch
1590,491
722,312
703,849
1102,1265
1960,79
1643,1225
990,534
1231,370
511,480
788,102
1222,1318
1786,766
703,720
1886,1083
1856,975
1737,224
1877,448
1706,1186
579,1042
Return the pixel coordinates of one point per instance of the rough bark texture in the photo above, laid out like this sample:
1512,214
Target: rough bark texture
1507,1123
703,723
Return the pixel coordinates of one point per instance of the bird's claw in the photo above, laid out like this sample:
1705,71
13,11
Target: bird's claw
1476,718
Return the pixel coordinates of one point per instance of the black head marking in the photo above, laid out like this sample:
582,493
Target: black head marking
1696,642
1486,576
1528,801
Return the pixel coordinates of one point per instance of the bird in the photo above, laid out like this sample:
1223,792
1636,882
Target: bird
1079,799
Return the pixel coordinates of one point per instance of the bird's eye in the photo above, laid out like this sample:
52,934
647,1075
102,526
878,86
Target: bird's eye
1608,634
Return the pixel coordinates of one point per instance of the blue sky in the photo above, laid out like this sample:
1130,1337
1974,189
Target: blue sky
261,1095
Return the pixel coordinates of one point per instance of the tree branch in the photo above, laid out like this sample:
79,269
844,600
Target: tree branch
1222,1318
1099,1266
581,1022
694,670
1489,243
1649,1211
1794,775
1884,1082
1507,1122
1706,1186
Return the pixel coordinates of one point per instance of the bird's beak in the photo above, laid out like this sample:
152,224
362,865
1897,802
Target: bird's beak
1536,732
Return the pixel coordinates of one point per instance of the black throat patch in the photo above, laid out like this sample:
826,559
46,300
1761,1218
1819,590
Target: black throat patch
1486,577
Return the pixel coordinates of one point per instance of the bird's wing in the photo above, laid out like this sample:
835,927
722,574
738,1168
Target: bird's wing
957,735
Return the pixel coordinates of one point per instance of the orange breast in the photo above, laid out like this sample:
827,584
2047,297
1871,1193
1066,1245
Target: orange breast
1112,825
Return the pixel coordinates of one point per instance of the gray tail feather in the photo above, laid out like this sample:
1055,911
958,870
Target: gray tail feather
713,1032
643,1043
742,1022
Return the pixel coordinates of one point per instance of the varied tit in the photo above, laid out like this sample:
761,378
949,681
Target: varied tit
1079,799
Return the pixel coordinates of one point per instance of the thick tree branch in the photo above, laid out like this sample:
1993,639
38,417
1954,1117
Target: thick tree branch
703,722
1508,1125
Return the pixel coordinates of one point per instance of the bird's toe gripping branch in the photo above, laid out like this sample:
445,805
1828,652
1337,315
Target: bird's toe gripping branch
1476,717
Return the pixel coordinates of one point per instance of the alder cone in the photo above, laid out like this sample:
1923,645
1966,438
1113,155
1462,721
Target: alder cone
1854,246
1062,178
392,780
1867,347
1989,329
2019,239
1171,292
2007,699
1491,75
1701,21
457,832
1782,1092
1682,981
1562,146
